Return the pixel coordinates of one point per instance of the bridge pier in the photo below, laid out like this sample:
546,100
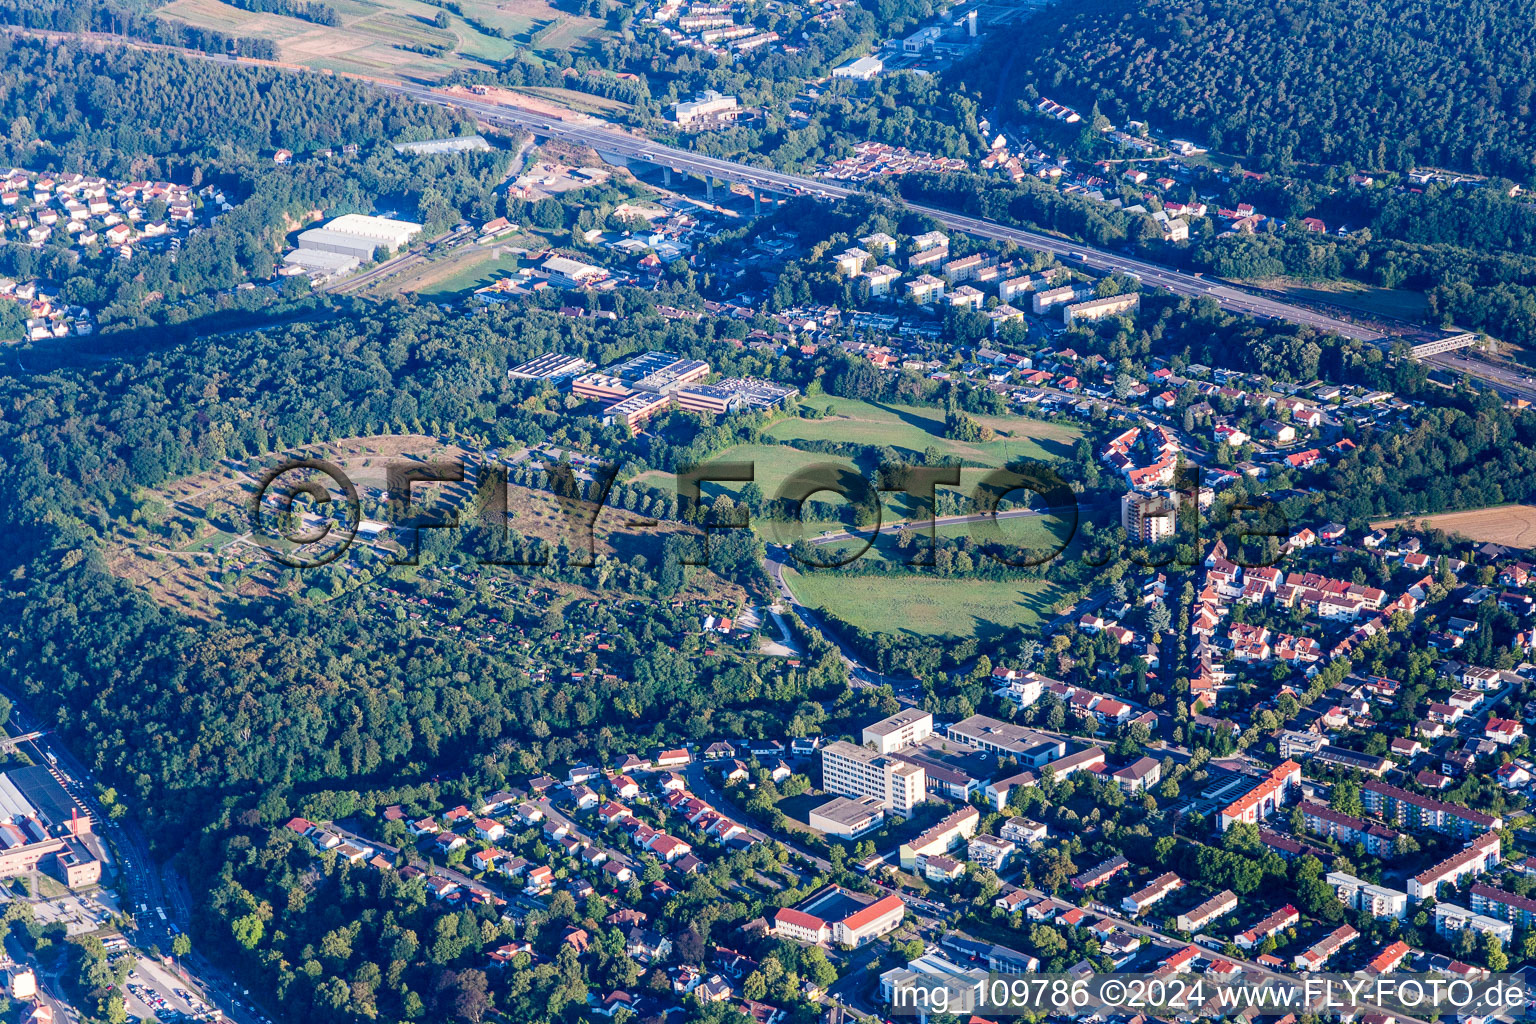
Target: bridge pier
709,187
757,201
666,176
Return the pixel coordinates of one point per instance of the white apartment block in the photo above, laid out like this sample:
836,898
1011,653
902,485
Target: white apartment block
849,770
899,731
1376,900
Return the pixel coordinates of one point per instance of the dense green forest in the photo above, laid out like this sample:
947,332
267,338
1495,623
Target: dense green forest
665,72
306,10
222,729
127,113
1378,85
214,731
117,103
921,113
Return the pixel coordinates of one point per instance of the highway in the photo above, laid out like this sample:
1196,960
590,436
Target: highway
1509,381
612,141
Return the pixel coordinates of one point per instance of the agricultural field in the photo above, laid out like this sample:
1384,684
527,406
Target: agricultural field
919,606
1510,525
384,38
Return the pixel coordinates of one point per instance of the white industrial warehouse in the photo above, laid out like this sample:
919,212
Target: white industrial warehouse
346,242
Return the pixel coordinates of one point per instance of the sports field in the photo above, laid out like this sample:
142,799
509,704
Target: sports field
772,464
1510,525
916,428
1028,533
449,279
385,38
919,606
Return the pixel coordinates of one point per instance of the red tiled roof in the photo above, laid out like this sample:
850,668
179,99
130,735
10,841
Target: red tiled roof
799,918
873,912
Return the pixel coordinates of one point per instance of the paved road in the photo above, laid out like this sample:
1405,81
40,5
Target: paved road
612,141
141,881
1509,381
609,139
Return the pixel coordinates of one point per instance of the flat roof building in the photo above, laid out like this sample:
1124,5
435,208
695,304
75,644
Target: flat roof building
550,366
357,247
321,263
601,386
636,409
848,817
931,981
853,771
899,730
954,770
1149,517
568,273
922,39
673,376
1451,918
1031,748
758,394
861,70
705,105
387,230
644,364
1376,900
990,851
707,398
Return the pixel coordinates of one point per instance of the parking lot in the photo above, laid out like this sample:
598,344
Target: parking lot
154,993
79,913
